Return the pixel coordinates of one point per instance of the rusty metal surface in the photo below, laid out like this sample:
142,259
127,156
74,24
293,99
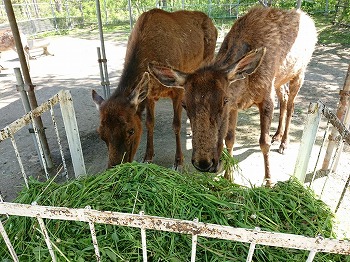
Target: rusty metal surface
180,226
27,118
334,120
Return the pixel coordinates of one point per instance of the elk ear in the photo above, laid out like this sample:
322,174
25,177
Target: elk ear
97,99
141,91
167,76
247,65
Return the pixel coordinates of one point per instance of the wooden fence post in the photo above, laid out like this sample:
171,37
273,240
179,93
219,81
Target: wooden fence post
343,116
72,132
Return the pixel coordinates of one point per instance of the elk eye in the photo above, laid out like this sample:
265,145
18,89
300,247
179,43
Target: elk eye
131,131
183,105
225,100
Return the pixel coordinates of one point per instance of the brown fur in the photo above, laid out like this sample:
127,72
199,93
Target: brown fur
284,42
182,39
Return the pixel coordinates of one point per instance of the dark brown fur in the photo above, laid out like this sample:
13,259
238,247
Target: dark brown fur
182,39
239,78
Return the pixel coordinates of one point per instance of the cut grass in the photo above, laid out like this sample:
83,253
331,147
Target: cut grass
158,191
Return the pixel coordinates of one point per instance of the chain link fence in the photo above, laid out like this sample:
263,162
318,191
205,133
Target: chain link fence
35,17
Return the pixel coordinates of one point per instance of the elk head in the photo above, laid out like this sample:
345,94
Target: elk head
120,121
207,101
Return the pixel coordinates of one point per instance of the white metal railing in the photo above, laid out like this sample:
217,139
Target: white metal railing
315,112
63,98
144,222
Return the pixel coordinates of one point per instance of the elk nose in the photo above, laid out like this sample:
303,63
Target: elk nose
203,165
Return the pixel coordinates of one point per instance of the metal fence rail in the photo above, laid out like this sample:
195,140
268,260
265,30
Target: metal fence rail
63,98
315,112
142,221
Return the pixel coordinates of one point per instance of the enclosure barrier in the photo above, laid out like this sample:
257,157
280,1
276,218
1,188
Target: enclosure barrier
64,98
315,111
142,221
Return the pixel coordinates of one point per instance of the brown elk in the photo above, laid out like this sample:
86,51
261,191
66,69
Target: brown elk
264,50
183,39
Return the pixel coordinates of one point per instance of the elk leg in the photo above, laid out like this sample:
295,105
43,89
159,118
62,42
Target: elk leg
295,85
177,130
282,94
266,112
231,138
150,130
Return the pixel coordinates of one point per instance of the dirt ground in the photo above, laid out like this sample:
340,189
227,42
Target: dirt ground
74,67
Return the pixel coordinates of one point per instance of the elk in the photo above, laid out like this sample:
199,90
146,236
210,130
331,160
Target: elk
264,50
183,39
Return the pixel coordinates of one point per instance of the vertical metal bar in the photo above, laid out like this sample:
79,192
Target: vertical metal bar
104,59
331,168
143,241
69,22
319,153
8,242
311,256
54,15
1,201
346,122
298,5
94,239
102,77
307,140
105,8
342,194
18,156
39,144
312,253
252,247
26,105
130,14
58,140
28,80
194,244
72,132
46,236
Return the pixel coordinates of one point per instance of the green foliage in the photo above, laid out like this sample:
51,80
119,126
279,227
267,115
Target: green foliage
71,14
134,187
330,33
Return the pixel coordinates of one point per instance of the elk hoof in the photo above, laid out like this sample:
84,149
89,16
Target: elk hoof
282,148
268,183
177,168
147,161
276,137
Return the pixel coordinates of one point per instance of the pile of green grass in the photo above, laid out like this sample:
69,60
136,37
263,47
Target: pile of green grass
158,191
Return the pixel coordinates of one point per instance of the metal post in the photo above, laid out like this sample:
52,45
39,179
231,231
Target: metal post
104,59
307,140
69,22
130,14
26,105
54,15
28,81
102,76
